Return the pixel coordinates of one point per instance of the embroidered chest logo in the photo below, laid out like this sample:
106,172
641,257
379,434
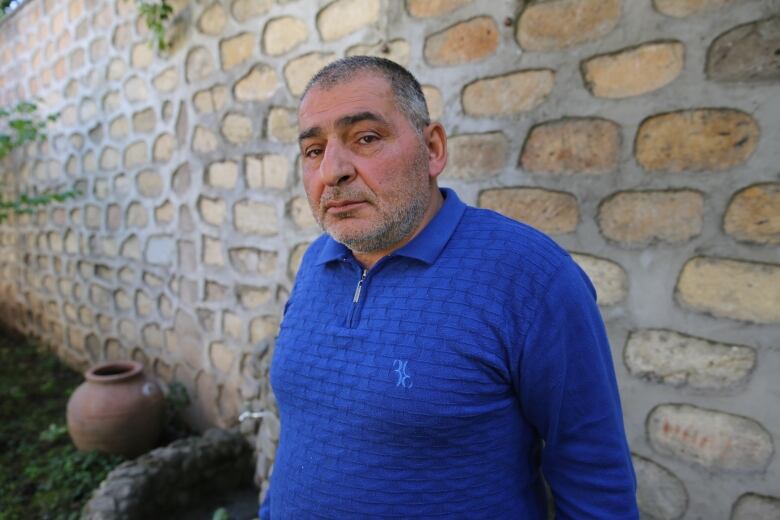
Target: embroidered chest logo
404,379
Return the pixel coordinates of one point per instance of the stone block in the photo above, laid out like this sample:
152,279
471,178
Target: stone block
212,20
706,139
281,35
344,17
204,141
244,10
752,506
464,42
236,50
144,121
212,252
299,71
237,128
476,156
572,146
166,81
250,260
199,65
152,337
141,56
640,218
135,155
267,171
222,174
212,211
221,356
397,50
119,128
608,277
552,212
557,24
258,85
181,179
753,214
508,94
434,101
711,439
676,359
746,53
137,216
116,69
634,71
429,8
733,289
263,328
164,213
255,218
683,8
186,341
253,297
211,100
136,90
300,213
164,146
295,259
143,304
283,125
660,494
232,325
149,183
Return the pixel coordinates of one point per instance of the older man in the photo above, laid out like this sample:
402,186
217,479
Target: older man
435,360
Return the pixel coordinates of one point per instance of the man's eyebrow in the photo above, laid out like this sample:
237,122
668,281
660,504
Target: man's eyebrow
344,122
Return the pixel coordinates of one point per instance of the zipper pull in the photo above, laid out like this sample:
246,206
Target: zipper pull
356,298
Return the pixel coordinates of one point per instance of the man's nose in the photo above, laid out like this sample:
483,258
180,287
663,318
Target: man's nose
336,166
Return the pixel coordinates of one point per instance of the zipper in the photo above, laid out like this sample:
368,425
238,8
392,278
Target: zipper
353,312
356,298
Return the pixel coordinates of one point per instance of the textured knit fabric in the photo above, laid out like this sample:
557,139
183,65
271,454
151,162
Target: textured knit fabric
468,364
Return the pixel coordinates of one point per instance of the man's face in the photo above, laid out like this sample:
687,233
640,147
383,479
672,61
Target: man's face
365,168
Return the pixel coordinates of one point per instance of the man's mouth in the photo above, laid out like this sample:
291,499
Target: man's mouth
343,206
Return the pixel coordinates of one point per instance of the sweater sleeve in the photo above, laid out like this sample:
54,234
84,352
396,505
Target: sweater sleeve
569,394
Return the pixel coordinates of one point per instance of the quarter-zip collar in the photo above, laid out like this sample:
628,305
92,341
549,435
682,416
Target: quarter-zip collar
426,246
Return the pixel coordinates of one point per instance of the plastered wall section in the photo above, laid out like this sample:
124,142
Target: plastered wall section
642,135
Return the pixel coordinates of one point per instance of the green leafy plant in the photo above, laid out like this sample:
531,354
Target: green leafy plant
155,15
176,401
20,125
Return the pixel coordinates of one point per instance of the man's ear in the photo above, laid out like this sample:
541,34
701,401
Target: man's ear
436,143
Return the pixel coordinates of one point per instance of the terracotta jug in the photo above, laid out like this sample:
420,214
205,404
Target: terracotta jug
116,410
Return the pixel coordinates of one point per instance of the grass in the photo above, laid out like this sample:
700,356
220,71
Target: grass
42,475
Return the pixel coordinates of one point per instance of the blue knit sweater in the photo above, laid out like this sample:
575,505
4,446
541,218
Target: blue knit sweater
447,382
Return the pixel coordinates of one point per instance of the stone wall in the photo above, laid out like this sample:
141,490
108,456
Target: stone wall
641,134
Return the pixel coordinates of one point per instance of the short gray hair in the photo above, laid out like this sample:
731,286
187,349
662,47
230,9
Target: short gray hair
408,94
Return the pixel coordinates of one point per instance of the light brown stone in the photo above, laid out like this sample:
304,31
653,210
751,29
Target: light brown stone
212,211
164,146
250,260
222,174
299,71
221,356
300,213
464,42
210,100
232,325
746,53
150,183
213,20
255,218
639,218
552,212
429,8
237,128
212,251
696,140
246,9
136,90
267,171
683,8
144,121
296,256
131,248
434,101
752,506
677,359
137,216
711,439
397,50
572,146
753,214
609,279
281,35
258,85
476,156
557,24
236,50
119,128
635,71
731,289
283,125
141,56
660,494
253,297
262,328
508,94
166,81
116,69
135,154
186,342
164,213
200,64
344,17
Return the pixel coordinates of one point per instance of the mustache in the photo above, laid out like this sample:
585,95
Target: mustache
341,194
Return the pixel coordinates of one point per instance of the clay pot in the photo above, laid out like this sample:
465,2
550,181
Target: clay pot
116,410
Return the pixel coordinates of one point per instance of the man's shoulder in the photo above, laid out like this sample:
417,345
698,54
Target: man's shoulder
500,237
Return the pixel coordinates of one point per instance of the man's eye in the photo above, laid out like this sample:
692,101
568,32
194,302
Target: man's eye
367,139
311,153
